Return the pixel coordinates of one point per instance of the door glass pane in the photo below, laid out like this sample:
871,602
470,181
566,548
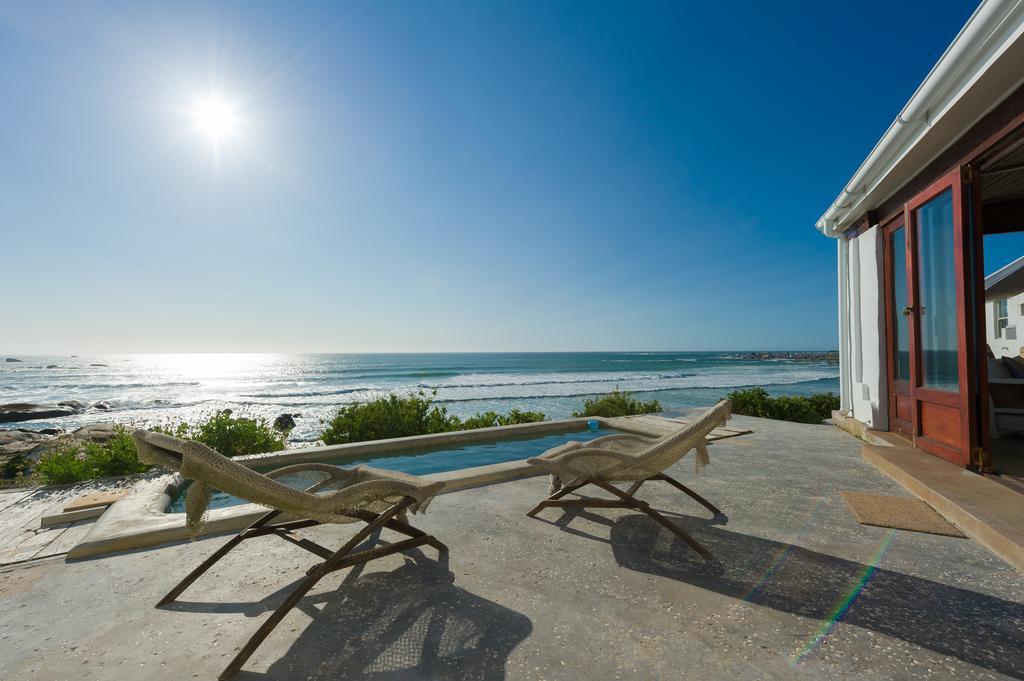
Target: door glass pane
936,308
900,322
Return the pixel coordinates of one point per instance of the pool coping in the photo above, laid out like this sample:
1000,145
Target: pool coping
140,520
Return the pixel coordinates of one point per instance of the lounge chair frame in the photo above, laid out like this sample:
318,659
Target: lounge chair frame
346,556
627,499
630,458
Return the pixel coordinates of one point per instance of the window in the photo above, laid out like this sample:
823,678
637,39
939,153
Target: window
1002,317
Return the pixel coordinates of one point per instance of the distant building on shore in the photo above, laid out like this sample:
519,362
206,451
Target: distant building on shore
1004,310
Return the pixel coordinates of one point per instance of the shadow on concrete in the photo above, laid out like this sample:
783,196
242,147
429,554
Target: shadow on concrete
407,623
564,519
979,629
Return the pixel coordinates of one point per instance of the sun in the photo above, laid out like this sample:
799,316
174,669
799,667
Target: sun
216,118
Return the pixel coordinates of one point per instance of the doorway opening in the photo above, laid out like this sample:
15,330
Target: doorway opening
1001,172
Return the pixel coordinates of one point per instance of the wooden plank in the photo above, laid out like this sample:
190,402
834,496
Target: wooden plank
10,541
34,542
54,516
94,500
19,524
17,516
22,533
10,498
66,540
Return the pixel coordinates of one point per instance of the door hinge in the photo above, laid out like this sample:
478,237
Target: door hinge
968,173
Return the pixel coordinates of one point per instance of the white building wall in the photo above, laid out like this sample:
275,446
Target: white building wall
1011,341
862,328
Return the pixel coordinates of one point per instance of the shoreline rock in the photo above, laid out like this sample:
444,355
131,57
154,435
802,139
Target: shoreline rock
21,447
29,411
830,356
285,422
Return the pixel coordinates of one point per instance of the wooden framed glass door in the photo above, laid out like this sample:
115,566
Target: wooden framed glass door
926,324
898,326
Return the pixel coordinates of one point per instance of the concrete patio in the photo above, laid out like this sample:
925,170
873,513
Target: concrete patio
603,594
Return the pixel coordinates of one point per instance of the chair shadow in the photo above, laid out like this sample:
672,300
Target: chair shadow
272,600
407,623
983,630
570,513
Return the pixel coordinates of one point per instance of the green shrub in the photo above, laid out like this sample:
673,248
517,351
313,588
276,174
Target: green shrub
617,403
491,418
73,461
824,404
231,436
117,456
405,415
62,465
756,402
386,417
76,461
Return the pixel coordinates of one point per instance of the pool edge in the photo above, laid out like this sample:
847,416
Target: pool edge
140,521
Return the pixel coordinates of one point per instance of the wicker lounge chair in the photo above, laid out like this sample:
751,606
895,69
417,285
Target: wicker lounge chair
629,458
311,494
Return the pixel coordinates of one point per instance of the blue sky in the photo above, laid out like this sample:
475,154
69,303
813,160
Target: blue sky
459,176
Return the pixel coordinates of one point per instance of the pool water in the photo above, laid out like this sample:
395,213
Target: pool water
439,460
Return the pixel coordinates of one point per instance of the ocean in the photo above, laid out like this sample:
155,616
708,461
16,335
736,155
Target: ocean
142,390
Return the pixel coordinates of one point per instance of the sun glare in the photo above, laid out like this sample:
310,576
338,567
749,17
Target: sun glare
216,118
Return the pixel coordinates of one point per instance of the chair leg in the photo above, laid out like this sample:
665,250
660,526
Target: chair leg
644,507
686,490
341,558
409,530
399,525
554,497
217,555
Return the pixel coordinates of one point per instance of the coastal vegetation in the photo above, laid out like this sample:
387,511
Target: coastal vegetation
406,415
489,419
70,460
75,460
617,403
801,409
230,435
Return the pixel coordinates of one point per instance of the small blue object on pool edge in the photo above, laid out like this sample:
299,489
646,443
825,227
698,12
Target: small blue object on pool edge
593,424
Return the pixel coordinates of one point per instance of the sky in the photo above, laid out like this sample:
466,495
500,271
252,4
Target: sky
438,176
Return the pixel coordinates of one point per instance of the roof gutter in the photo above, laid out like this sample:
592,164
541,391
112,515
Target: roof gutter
982,39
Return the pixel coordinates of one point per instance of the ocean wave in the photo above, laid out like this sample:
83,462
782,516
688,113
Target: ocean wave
370,374
568,381
112,386
310,393
316,387
655,359
102,386
560,389
590,393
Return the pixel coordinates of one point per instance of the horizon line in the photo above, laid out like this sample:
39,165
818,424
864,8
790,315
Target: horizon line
14,355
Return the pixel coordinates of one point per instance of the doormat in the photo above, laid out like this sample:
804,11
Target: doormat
902,513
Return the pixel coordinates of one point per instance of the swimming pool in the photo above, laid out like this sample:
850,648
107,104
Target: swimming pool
438,459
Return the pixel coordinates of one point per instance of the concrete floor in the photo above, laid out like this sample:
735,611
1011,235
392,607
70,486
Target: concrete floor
603,594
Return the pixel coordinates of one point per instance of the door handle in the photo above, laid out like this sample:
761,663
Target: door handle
908,310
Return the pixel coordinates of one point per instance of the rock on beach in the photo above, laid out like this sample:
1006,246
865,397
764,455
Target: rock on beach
28,411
